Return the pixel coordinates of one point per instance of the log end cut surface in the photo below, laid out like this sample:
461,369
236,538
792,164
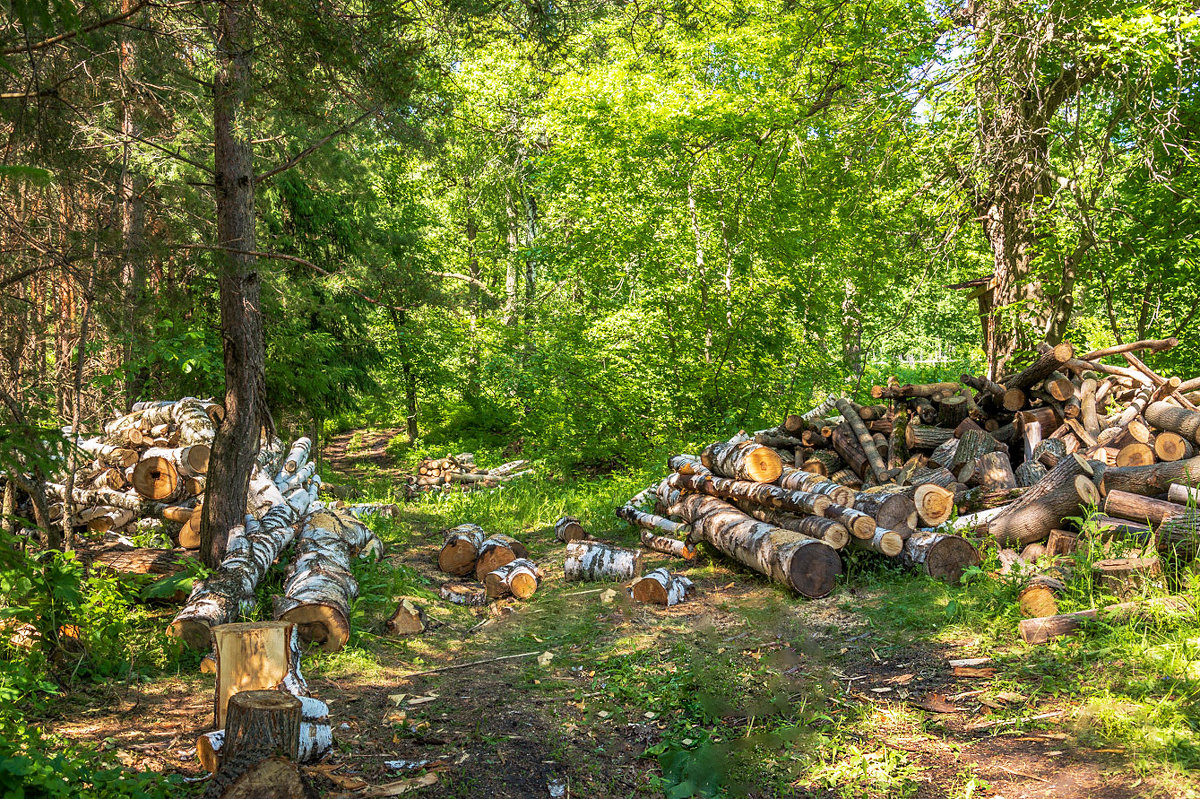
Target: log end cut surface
763,465
155,478
320,624
949,557
813,569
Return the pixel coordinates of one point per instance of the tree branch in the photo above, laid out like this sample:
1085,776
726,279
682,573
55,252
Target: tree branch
62,37
312,148
278,256
476,282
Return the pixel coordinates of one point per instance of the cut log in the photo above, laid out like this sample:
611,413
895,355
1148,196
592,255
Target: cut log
250,552
995,472
320,584
264,494
497,551
885,542
1110,527
1174,419
897,448
675,547
984,386
768,496
972,522
189,531
846,478
859,524
262,722
650,521
157,478
460,549
823,529
1059,386
1038,598
939,555
952,411
1029,474
742,460
119,457
519,578
1153,479
568,529
891,508
1125,577
824,462
594,561
1061,542
252,656
1135,454
1039,631
1049,361
297,455
980,499
1049,452
943,456
794,479
409,619
925,437
807,566
914,390
1184,495
1061,494
934,503
1013,399
254,777
662,588
938,476
863,436
1138,508
1170,446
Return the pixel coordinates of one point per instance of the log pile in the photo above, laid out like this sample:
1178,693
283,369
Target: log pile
145,472
458,473
926,474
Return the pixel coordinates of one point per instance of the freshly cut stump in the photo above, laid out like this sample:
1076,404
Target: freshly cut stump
568,529
940,556
264,722
661,588
595,561
495,552
518,577
460,549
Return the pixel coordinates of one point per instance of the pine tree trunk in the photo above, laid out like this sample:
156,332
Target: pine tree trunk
236,444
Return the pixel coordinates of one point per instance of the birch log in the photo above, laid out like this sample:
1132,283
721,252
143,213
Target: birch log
495,551
568,529
298,455
460,549
662,588
320,584
769,496
808,566
742,460
794,479
885,542
597,561
667,545
519,578
250,551
831,532
650,521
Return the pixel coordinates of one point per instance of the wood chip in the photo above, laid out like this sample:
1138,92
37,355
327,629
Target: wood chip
971,671
935,703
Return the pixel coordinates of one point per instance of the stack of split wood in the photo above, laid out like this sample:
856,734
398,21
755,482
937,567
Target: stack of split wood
459,473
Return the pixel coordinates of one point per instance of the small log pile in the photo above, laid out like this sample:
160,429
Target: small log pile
458,473
146,470
499,563
925,474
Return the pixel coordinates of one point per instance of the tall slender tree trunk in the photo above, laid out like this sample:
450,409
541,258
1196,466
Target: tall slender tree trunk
237,439
399,320
473,354
511,276
852,354
133,273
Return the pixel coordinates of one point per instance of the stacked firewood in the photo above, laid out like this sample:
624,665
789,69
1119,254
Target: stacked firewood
458,473
1016,459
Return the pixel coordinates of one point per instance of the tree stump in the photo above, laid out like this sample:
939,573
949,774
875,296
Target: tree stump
264,722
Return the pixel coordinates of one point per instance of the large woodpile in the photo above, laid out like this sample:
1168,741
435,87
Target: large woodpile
458,473
926,474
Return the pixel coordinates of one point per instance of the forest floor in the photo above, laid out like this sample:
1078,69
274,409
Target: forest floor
743,691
